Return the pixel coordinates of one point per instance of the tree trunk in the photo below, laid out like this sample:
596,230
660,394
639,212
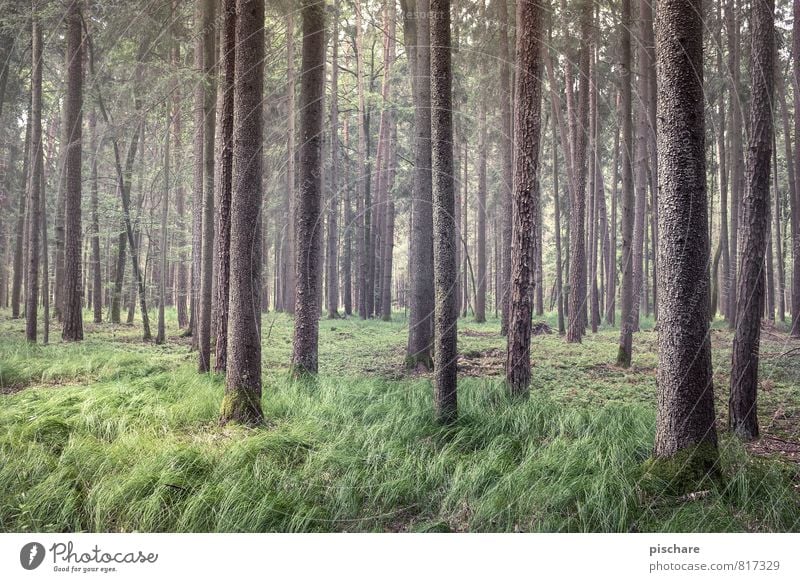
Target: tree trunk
289,254
207,195
685,428
305,344
480,300
507,163
557,229
743,420
781,276
391,154
222,239
527,129
795,332
724,279
161,334
242,400
19,246
35,181
627,292
97,277
180,227
445,243
72,303
331,263
420,324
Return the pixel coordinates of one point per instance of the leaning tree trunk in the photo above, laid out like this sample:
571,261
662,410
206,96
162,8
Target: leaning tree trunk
444,249
242,400
305,344
685,430
420,326
742,418
525,210
72,302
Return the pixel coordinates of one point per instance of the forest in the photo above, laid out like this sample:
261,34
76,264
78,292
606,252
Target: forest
399,266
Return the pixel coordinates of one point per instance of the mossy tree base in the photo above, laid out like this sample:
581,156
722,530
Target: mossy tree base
420,362
241,407
690,469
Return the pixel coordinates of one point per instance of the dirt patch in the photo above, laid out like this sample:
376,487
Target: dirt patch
473,333
770,446
477,363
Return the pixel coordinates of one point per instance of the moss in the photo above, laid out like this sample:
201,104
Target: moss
623,358
419,361
690,469
239,406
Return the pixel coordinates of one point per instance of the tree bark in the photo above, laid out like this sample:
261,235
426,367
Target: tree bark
444,226
507,164
305,345
332,263
161,333
242,400
527,129
72,290
743,420
685,428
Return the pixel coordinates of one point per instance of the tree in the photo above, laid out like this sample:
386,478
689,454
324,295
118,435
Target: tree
162,283
72,291
754,223
206,195
420,317
222,240
525,209
627,291
35,179
331,262
796,209
305,344
685,416
444,227
507,162
242,400
388,173
97,276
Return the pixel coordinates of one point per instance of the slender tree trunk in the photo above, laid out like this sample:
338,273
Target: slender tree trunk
480,300
391,156
527,129
35,181
181,282
242,400
557,229
97,277
507,163
222,239
72,291
331,263
685,415
305,344
204,311
724,279
795,210
627,295
743,420
781,287
19,247
289,256
577,275
420,325
445,244
161,334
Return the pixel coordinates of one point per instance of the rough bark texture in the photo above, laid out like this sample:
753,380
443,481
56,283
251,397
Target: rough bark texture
222,240
557,229
742,417
480,298
308,203
242,400
685,430
627,291
35,183
181,275
444,226
72,291
420,318
796,198
97,276
207,197
525,210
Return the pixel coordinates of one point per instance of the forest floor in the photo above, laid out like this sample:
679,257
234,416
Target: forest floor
112,434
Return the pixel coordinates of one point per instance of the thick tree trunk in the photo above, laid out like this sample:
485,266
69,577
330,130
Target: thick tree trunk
72,304
627,292
445,243
242,400
305,345
685,428
527,129
743,419
420,324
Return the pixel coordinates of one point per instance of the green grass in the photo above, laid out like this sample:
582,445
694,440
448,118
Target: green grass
115,435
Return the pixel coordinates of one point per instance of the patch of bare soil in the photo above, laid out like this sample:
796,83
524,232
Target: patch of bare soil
771,446
476,363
